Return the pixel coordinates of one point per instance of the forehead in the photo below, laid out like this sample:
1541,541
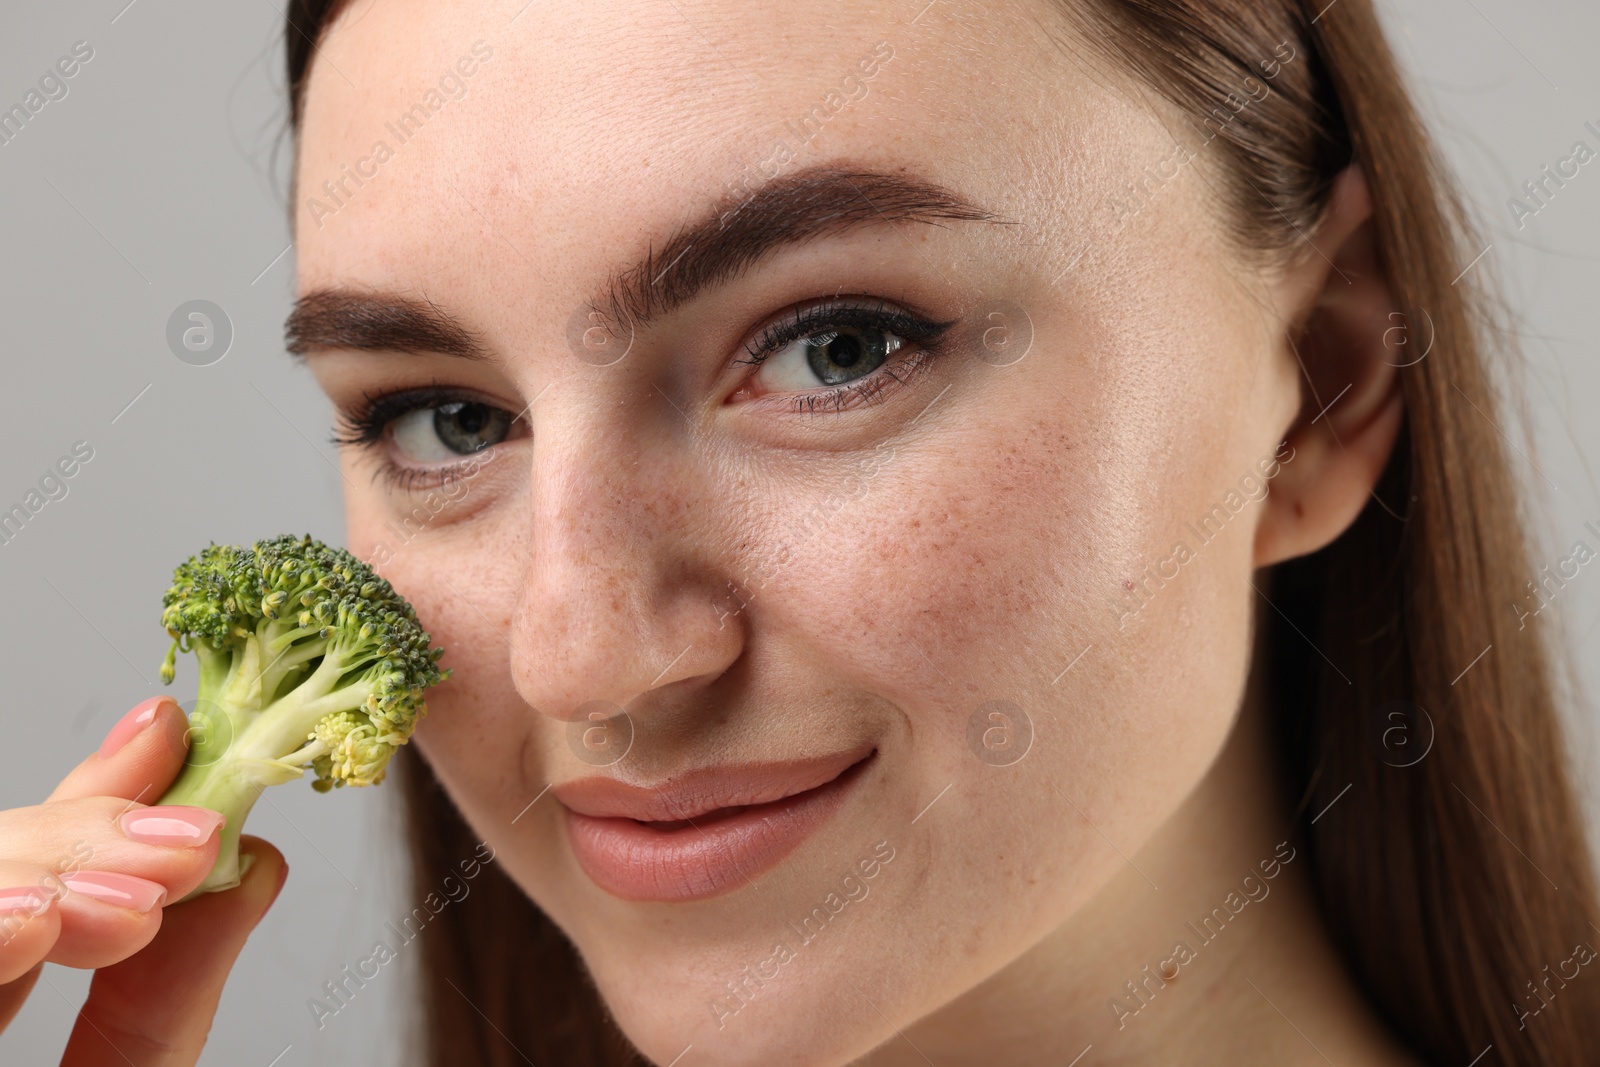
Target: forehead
568,135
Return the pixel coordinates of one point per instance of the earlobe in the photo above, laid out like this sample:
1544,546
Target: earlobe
1351,403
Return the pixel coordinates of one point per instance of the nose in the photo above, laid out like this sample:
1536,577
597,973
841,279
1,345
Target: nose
624,575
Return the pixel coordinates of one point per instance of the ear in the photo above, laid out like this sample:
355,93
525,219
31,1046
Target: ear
1341,310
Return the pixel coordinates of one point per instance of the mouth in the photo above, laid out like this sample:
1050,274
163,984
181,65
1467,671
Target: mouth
706,832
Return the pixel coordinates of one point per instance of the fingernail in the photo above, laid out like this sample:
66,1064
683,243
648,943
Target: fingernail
176,825
130,724
123,890
26,898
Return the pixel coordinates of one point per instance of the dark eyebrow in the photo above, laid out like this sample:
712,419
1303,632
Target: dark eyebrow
382,322
727,240
817,201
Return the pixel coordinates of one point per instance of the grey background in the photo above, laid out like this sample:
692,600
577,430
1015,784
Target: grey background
154,183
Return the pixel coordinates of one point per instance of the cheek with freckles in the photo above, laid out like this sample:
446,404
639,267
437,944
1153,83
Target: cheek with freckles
455,574
943,574
979,570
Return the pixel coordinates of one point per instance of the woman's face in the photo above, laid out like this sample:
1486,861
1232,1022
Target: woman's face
946,557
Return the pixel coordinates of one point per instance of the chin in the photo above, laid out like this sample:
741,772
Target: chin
817,1018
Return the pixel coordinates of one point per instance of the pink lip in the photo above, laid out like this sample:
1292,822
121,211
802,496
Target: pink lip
706,832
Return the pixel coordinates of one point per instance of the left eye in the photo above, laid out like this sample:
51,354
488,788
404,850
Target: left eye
835,356
446,432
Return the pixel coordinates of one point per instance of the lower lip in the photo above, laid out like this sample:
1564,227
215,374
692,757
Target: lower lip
717,855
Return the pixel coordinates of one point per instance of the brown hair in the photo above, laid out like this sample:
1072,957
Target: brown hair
1453,885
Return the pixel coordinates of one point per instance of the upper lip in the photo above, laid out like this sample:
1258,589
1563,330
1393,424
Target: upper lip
696,792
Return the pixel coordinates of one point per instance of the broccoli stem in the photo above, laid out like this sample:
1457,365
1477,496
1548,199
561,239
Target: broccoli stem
242,740
229,788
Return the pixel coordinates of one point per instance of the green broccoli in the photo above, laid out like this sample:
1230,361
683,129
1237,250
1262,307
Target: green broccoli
308,660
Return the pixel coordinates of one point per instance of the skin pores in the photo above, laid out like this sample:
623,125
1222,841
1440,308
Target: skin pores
963,539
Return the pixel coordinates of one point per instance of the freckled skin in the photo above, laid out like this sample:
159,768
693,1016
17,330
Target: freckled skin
593,559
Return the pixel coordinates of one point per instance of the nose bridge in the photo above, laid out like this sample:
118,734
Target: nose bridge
618,590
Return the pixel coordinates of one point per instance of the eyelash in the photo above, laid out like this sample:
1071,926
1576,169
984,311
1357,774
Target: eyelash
364,427
818,318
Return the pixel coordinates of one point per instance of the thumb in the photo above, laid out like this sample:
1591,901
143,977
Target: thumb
154,1009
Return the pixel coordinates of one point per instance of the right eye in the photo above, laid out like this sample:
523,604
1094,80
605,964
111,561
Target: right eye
445,432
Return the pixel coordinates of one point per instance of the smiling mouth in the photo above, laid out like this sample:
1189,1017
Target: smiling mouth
706,832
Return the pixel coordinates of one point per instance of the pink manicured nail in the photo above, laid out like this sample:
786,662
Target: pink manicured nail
170,824
130,724
25,899
123,890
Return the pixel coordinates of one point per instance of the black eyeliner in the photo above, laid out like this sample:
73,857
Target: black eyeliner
366,425
817,318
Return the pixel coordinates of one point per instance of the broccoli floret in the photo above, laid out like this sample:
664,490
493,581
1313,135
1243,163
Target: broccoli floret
308,660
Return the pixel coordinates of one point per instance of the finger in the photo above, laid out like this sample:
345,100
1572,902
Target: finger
29,923
95,917
155,1009
105,918
174,844
126,861
138,759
